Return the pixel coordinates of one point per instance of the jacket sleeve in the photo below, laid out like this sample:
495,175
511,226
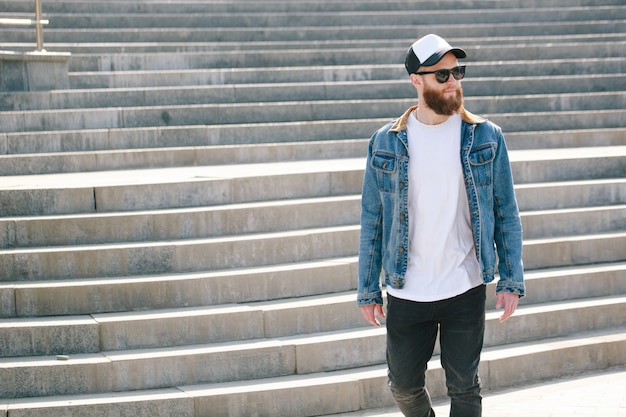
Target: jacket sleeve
508,225
370,242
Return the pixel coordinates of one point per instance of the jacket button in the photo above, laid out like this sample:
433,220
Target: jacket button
401,250
402,217
401,185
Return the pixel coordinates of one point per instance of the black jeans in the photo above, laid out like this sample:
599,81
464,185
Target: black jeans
411,334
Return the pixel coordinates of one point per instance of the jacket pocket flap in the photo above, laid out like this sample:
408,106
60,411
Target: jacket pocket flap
483,154
383,162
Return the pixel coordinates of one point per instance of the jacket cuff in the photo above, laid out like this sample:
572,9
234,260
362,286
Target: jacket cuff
511,286
369,298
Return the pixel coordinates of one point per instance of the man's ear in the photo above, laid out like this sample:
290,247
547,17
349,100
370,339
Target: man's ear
415,80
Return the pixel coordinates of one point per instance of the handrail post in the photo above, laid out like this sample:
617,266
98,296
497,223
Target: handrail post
39,26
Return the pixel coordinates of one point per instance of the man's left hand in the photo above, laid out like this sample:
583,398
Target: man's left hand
509,302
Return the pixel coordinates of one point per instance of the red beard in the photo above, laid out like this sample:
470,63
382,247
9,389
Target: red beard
440,105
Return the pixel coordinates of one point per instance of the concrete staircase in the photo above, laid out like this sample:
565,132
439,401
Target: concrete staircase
179,229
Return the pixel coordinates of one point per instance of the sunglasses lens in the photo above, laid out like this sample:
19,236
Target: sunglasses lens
458,73
442,75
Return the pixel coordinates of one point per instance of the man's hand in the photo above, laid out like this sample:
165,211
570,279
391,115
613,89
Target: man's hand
509,301
370,312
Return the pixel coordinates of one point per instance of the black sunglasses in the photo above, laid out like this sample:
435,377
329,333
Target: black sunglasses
442,75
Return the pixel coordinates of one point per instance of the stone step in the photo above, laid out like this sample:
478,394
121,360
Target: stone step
331,344
407,16
241,251
175,40
68,161
550,120
145,369
132,369
107,191
574,250
561,396
273,137
220,76
347,390
555,319
167,291
549,139
49,336
110,191
188,187
190,6
570,194
563,222
127,39
86,150
367,388
348,349
352,56
505,107
169,157
153,403
259,217
108,332
187,255
274,92
184,223
572,351
149,189
597,280
314,317
568,164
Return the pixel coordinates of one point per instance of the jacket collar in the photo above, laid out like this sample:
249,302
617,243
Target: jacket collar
466,116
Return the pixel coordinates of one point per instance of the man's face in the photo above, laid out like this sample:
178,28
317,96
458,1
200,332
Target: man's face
443,98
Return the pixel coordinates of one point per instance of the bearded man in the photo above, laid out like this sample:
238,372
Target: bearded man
438,203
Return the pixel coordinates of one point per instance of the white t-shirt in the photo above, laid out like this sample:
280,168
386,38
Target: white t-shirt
442,259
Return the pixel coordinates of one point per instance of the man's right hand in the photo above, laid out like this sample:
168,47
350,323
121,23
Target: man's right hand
370,312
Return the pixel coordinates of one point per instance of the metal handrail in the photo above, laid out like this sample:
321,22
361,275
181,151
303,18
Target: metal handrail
39,26
38,22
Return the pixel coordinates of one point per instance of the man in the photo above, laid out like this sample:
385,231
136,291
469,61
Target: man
438,201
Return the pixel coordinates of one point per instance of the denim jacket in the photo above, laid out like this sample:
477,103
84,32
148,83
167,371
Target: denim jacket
496,224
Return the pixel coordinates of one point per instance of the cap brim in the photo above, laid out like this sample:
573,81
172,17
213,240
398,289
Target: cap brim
437,56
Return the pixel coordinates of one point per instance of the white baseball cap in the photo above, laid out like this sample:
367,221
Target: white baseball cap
427,51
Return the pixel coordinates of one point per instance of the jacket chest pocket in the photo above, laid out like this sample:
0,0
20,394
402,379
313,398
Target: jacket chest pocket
481,161
386,168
